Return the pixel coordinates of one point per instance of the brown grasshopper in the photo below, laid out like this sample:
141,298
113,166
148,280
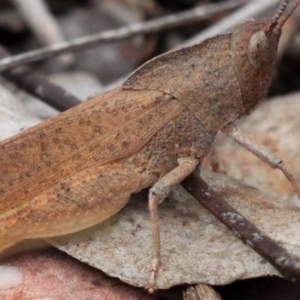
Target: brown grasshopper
80,167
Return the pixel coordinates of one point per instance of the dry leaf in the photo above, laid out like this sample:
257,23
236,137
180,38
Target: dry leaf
195,247
53,275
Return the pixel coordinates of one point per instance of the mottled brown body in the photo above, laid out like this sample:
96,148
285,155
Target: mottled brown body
69,187
81,167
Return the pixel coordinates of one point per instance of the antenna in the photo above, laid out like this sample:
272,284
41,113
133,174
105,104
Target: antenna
279,12
282,14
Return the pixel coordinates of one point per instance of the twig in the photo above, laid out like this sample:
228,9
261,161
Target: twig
40,87
122,33
287,264
252,9
42,23
40,20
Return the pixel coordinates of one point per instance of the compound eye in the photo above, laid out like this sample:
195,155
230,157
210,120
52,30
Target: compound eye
259,50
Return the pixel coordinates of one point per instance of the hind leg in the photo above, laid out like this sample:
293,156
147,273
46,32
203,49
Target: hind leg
76,203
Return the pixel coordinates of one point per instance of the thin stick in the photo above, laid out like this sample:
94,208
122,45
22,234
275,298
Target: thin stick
122,33
40,87
287,264
41,21
39,18
252,9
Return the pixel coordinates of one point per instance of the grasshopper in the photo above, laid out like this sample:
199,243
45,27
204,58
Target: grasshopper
80,167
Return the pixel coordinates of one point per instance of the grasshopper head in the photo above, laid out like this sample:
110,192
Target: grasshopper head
253,49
